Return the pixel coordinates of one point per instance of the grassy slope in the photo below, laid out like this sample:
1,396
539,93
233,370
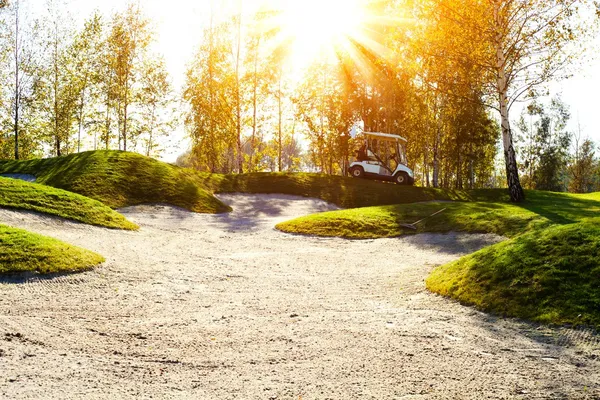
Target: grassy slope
548,272
343,191
550,275
22,251
542,209
30,196
120,179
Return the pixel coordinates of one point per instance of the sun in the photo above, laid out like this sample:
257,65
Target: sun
317,27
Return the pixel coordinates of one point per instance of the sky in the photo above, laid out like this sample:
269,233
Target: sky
179,23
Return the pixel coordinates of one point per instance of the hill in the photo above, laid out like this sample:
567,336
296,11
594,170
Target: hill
549,275
541,209
21,251
119,179
22,195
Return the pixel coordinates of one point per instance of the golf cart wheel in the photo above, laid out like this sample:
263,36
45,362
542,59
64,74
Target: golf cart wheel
357,172
401,178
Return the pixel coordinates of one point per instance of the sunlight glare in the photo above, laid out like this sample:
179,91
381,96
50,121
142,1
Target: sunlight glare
317,27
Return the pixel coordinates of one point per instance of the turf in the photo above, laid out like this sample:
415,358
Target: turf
22,195
542,209
387,221
345,192
119,179
21,251
550,275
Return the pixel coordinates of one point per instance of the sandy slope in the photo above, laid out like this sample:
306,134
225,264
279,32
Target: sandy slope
225,307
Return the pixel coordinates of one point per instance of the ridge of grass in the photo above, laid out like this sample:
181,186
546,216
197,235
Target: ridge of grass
343,191
386,221
542,209
550,275
120,179
22,251
20,195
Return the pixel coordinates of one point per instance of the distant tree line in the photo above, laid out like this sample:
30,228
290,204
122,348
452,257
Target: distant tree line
437,74
552,157
66,89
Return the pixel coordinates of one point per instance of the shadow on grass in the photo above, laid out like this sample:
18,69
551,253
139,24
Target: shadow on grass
560,208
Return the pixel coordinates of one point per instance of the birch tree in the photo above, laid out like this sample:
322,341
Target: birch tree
517,46
128,41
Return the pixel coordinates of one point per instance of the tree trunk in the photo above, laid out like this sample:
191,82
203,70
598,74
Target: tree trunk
125,127
240,155
279,125
17,89
436,159
80,118
152,123
512,172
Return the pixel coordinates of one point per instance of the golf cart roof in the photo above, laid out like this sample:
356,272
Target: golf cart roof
388,136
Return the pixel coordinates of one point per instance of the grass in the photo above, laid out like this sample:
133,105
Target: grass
343,191
119,179
548,272
542,209
550,275
21,251
34,197
386,221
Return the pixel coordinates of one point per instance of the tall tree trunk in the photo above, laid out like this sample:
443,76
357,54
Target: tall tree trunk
125,125
280,114
459,178
55,87
152,123
254,104
80,117
17,88
512,172
240,154
471,168
436,157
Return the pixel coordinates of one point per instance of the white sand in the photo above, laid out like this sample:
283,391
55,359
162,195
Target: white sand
225,307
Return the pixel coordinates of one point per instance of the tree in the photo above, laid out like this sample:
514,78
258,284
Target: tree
583,169
57,79
21,37
552,144
156,99
86,52
517,46
128,41
209,90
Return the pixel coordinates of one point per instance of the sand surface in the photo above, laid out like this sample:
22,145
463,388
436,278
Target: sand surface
225,307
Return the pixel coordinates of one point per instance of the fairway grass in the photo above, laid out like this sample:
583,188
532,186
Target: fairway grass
22,195
21,251
541,209
120,179
387,221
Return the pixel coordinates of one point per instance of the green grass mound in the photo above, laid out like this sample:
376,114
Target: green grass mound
551,276
540,210
21,251
387,221
120,179
21,195
343,191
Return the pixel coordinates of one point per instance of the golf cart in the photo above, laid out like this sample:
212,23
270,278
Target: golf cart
382,157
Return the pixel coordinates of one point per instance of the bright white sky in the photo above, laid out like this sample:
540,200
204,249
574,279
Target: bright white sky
179,23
